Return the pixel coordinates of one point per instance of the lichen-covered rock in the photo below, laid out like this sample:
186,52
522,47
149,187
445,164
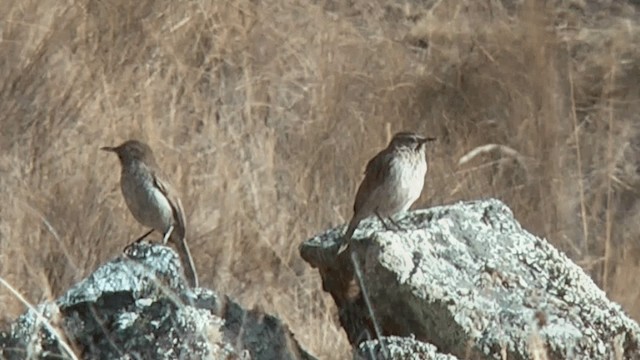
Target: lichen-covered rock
138,306
469,280
398,348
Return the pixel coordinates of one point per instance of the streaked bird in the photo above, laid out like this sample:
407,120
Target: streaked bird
393,181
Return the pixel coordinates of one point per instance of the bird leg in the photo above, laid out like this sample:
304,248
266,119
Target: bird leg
143,236
396,224
138,240
382,221
390,218
167,235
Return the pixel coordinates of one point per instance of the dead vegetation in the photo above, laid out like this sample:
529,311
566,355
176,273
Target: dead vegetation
264,114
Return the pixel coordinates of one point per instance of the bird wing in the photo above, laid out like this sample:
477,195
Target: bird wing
174,201
374,175
180,229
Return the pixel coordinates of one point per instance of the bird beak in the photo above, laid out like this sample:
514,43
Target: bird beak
108,148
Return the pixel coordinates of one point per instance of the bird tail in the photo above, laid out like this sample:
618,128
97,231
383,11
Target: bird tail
346,239
186,259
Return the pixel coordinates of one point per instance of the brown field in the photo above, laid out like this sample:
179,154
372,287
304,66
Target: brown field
264,113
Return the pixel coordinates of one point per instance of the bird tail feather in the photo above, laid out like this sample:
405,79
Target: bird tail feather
346,239
187,260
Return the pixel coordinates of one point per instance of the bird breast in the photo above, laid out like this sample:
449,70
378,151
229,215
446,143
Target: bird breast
407,176
145,201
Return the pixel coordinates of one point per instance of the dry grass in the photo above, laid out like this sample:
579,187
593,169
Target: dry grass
264,114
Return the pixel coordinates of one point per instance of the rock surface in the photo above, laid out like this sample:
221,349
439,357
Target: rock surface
398,348
139,307
469,280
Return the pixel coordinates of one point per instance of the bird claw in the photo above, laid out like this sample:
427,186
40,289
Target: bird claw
398,226
386,226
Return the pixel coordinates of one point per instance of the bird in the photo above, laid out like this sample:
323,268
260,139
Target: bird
393,181
152,200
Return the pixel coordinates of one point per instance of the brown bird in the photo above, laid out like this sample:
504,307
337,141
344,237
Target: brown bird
152,200
393,181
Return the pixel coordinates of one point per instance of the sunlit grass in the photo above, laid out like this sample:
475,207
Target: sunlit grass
264,114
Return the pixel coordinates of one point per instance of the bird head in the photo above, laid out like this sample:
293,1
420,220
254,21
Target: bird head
131,150
410,140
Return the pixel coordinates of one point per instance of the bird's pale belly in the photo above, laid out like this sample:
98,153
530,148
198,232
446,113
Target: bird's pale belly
152,208
402,190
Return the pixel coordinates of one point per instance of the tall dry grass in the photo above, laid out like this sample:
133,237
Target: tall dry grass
264,113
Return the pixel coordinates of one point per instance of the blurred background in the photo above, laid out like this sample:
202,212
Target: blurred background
264,113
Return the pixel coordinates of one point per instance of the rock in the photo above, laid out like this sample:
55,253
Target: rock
469,280
138,306
398,348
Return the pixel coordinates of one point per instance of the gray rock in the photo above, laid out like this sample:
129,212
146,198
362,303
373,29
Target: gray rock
138,306
469,280
398,348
